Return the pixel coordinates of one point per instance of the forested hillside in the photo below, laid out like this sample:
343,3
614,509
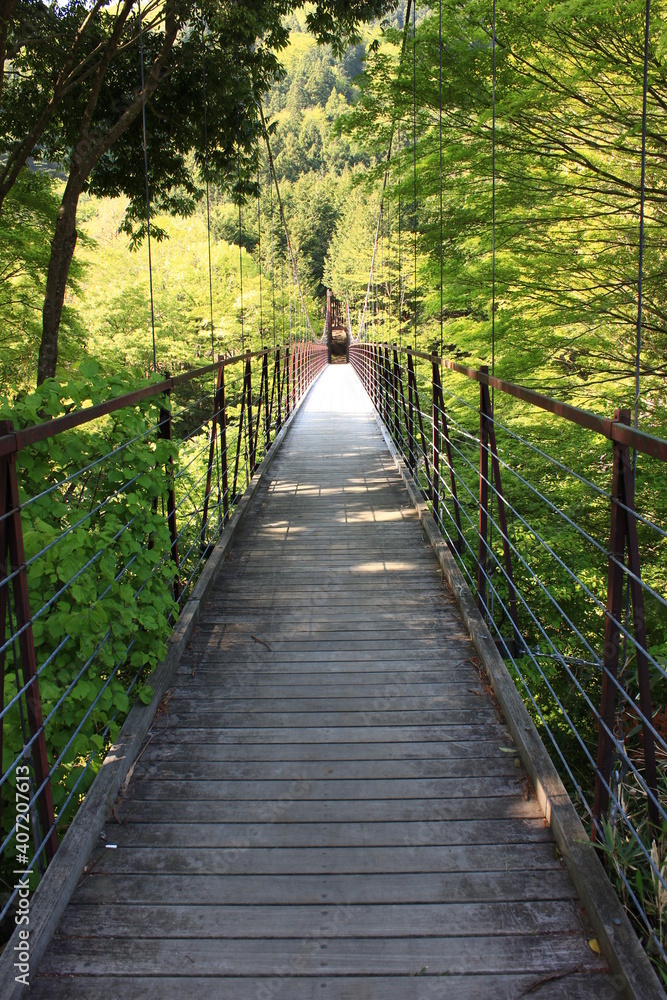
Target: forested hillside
568,136
107,306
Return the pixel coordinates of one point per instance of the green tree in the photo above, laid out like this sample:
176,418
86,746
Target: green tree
95,103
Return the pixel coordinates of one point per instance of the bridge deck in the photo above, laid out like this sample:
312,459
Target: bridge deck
327,808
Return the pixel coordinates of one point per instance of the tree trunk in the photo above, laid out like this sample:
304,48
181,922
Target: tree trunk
87,153
62,251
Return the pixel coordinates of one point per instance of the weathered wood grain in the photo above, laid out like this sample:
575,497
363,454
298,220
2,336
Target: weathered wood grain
304,810
273,890
328,804
513,953
410,833
571,985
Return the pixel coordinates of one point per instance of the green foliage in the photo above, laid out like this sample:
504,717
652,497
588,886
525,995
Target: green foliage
99,573
567,163
631,871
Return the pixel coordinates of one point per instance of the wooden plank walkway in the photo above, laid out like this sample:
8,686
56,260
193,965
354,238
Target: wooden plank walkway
327,807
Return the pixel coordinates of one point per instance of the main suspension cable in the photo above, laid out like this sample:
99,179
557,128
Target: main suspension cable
493,201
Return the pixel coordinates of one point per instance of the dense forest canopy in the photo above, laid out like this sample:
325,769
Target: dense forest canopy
73,94
568,125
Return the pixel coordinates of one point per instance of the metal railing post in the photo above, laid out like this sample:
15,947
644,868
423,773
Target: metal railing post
439,405
12,566
411,416
288,365
211,455
393,363
263,386
267,408
622,532
251,439
222,423
166,435
279,388
483,497
436,396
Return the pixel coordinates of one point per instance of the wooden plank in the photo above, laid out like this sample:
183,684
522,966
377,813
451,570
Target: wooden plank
159,749
277,684
329,889
391,770
326,734
460,718
409,833
390,659
293,809
453,702
394,920
401,788
328,860
459,707
539,955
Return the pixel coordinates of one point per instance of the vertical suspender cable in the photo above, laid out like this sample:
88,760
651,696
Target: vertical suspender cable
404,45
388,303
208,236
273,275
414,142
400,268
289,290
241,270
641,223
440,136
640,281
381,283
208,196
148,197
493,200
493,267
282,297
259,250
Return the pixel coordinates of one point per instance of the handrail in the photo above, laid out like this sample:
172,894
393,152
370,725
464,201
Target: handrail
16,441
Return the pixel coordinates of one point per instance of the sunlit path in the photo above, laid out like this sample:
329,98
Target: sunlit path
328,806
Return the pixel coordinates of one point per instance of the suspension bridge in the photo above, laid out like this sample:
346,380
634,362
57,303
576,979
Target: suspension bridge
335,788
328,670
